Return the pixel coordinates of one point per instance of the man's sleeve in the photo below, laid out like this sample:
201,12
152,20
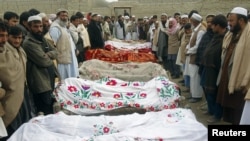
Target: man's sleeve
37,55
193,50
55,34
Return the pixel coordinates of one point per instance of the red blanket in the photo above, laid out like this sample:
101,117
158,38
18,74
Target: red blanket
119,56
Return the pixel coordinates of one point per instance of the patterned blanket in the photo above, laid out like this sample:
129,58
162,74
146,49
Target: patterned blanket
141,47
96,69
167,125
85,97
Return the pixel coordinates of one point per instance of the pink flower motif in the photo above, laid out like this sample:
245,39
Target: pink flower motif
110,106
151,108
72,88
144,95
172,106
165,107
69,102
120,103
105,129
76,106
158,90
136,84
137,105
96,94
92,106
62,104
169,115
125,84
117,96
85,104
129,94
102,104
111,82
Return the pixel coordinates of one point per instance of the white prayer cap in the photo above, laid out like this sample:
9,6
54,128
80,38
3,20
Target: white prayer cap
151,17
99,15
184,16
239,10
126,17
34,18
85,19
196,17
52,17
42,15
133,16
145,17
164,14
61,10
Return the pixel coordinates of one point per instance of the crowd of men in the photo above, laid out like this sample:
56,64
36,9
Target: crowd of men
36,48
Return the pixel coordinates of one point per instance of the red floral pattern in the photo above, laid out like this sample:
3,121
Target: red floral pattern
144,95
117,96
96,94
72,89
106,130
111,82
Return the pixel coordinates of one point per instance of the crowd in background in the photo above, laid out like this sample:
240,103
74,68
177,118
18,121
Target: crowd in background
210,53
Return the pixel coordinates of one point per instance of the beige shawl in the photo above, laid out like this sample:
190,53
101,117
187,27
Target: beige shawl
240,74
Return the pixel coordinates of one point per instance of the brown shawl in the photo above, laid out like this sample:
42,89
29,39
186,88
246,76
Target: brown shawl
240,74
12,76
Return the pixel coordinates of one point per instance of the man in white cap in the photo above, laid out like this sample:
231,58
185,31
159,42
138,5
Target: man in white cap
45,20
41,71
67,61
191,68
234,77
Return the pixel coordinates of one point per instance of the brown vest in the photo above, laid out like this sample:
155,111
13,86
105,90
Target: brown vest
193,43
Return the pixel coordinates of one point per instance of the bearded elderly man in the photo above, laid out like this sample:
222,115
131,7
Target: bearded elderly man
234,76
67,61
191,68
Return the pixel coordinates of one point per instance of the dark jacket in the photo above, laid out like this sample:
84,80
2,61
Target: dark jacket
211,63
95,35
41,71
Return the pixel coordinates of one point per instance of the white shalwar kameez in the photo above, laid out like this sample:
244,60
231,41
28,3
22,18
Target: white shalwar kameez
192,69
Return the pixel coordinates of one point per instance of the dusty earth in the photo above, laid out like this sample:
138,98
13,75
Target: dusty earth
196,107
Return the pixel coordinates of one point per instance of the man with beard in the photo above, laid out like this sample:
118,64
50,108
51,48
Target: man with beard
207,37
15,105
95,33
46,24
67,62
234,81
211,61
41,71
191,68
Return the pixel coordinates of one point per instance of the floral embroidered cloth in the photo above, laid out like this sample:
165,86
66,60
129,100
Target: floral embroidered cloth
82,96
167,125
95,69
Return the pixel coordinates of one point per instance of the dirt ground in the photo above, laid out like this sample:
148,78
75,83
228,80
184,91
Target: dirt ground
196,107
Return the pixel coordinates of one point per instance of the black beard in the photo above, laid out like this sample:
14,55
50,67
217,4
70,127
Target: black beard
38,36
236,29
